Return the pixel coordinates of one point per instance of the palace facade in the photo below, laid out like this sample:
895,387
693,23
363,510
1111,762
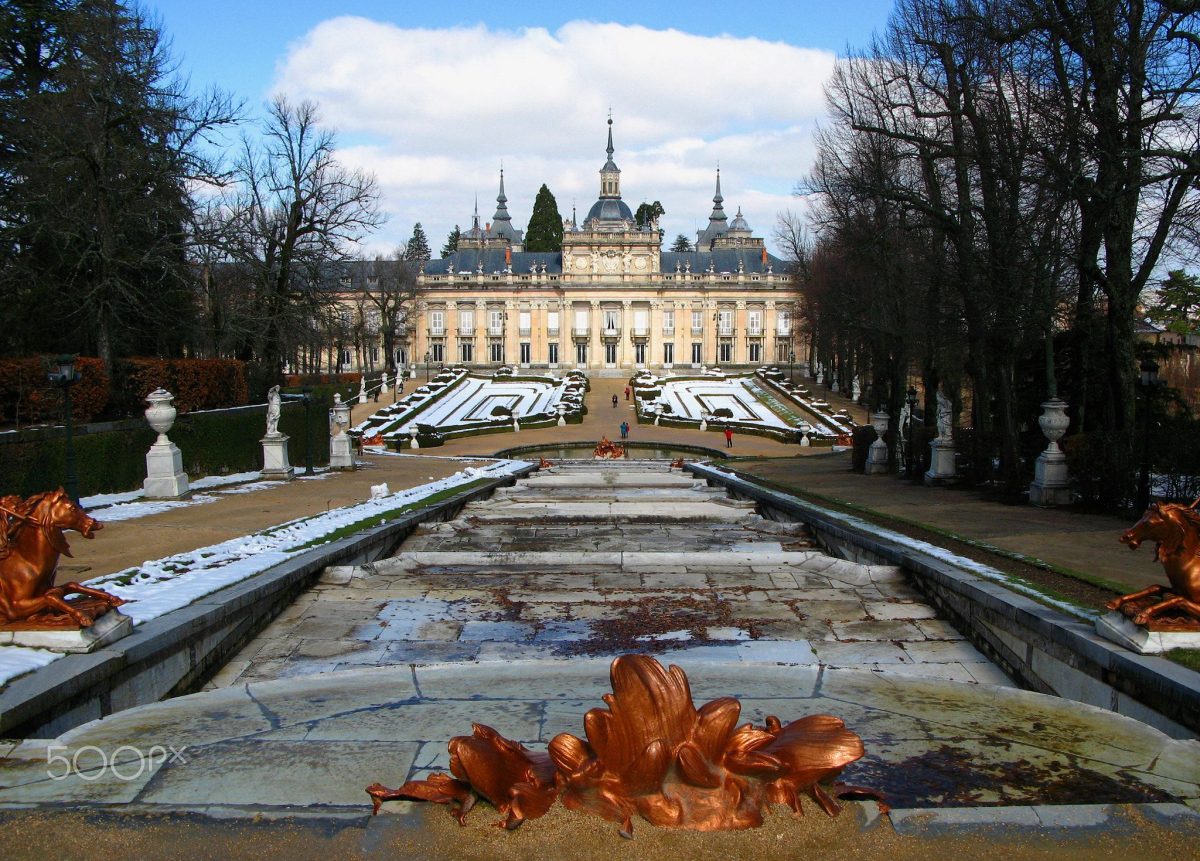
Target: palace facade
612,299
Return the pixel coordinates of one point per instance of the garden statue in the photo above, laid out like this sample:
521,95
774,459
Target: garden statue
945,416
650,752
606,448
1176,529
31,540
273,401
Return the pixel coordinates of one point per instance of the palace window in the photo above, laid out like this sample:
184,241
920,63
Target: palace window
612,320
495,321
725,353
437,322
552,351
725,321
697,321
668,353
552,322
668,318
754,321
697,352
755,352
783,322
610,354
496,351
581,353
525,353
466,321
639,352
466,352
437,353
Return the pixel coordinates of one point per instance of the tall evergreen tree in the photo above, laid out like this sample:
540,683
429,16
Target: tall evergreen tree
681,244
451,242
99,149
417,249
545,231
647,213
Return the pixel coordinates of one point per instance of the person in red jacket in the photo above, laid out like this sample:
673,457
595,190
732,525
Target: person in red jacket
728,437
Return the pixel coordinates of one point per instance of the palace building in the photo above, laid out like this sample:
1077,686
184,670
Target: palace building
612,299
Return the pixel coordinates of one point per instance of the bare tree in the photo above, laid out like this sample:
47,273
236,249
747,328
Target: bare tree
295,213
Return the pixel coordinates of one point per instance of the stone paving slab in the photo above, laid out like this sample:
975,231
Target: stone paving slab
316,741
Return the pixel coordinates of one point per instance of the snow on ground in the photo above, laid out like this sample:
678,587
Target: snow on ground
163,585
473,402
690,398
111,507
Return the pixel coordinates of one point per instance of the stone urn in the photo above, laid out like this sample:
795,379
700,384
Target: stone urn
1054,422
161,413
879,421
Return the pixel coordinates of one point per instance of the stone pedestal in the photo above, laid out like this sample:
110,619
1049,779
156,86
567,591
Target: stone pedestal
1138,638
107,628
1051,481
165,478
275,458
877,454
341,452
941,466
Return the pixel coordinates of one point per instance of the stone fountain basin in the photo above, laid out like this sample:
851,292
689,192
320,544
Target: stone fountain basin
316,741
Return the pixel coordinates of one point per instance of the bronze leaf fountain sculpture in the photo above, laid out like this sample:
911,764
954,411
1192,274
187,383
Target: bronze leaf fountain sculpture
31,540
1176,529
649,752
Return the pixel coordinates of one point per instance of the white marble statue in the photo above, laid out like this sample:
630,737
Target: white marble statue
945,416
273,401
383,382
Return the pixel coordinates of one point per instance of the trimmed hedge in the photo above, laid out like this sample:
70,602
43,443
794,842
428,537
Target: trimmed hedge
27,395
113,459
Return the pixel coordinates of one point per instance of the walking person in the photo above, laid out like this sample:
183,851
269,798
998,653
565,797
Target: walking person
728,437
614,401
627,393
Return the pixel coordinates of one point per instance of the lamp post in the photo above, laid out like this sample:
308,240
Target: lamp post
306,394
911,400
428,359
1147,382
66,376
791,361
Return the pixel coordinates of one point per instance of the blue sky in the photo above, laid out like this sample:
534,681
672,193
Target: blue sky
433,97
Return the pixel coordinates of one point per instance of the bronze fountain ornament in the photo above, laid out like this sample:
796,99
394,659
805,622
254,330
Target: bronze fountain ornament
650,752
31,540
1176,530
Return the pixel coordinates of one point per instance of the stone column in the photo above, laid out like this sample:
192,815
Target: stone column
165,478
877,455
1051,482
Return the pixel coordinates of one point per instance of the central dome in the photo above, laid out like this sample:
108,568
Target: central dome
610,209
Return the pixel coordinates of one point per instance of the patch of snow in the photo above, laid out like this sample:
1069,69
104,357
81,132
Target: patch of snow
164,585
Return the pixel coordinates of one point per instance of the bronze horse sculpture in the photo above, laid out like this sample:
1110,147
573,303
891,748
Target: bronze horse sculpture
31,540
1176,529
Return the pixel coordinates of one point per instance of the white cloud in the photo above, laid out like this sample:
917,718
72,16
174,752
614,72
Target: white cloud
434,112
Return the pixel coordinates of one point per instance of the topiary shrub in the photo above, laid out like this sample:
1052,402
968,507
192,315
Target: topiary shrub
722,413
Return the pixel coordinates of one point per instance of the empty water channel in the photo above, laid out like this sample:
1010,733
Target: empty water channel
509,613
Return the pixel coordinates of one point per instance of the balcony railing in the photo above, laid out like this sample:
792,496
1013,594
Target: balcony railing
668,330
464,332
580,331
755,331
697,330
495,331
524,333
437,331
612,331
640,332
553,330
725,332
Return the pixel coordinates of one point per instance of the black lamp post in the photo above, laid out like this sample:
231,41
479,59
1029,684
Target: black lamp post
791,361
911,400
428,359
1147,383
66,376
306,394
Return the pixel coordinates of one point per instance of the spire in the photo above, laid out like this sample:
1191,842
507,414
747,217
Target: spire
610,174
501,199
718,200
